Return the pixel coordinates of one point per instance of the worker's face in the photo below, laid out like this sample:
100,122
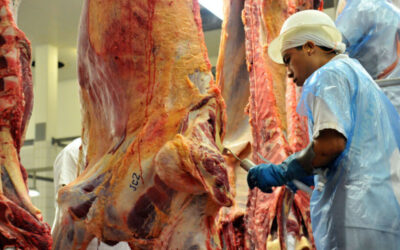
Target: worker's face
299,64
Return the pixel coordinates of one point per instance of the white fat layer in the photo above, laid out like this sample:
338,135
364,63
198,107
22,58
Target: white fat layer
188,231
201,80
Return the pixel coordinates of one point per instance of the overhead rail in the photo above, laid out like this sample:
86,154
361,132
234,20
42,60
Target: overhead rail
62,142
388,82
32,173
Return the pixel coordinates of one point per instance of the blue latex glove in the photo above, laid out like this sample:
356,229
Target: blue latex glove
308,180
266,176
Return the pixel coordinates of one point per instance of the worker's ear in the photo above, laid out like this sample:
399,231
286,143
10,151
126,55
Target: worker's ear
309,48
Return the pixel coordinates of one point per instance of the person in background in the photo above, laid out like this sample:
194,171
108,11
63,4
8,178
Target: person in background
65,171
371,32
354,139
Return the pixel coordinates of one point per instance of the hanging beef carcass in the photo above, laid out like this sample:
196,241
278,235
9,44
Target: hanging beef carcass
270,220
233,80
153,120
21,223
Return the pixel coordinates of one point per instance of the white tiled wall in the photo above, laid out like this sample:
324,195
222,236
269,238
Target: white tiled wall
45,201
42,154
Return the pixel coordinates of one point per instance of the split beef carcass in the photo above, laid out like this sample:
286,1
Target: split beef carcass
270,220
21,223
153,121
233,79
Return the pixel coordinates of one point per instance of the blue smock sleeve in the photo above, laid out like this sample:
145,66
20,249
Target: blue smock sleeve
331,90
370,30
356,25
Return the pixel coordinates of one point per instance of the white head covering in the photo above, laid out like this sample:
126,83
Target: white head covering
304,26
314,35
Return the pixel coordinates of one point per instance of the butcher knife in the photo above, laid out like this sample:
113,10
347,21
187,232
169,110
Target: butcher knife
246,164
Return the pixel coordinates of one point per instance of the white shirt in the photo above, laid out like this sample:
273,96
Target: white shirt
322,115
65,165
65,171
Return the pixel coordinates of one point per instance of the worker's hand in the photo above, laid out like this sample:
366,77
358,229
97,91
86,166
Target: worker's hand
266,176
252,176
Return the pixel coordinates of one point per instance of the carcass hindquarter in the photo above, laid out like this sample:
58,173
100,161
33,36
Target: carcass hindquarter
276,129
21,223
153,120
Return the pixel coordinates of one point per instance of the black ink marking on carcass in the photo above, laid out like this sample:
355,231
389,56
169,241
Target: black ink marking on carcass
135,181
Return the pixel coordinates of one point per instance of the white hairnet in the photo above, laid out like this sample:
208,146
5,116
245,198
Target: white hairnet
319,37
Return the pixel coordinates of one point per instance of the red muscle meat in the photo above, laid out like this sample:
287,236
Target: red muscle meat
277,131
153,121
21,225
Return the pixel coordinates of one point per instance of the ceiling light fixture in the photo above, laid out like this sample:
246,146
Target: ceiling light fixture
33,193
214,6
60,64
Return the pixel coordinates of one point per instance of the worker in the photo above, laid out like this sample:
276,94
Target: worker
371,32
65,171
354,139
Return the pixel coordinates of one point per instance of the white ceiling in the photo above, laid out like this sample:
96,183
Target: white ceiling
50,21
55,22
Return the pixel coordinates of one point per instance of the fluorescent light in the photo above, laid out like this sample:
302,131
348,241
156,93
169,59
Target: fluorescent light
33,193
214,6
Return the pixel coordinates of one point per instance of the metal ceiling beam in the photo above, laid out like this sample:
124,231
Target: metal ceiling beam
209,21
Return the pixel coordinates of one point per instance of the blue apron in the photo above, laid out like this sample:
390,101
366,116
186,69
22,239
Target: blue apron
359,207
